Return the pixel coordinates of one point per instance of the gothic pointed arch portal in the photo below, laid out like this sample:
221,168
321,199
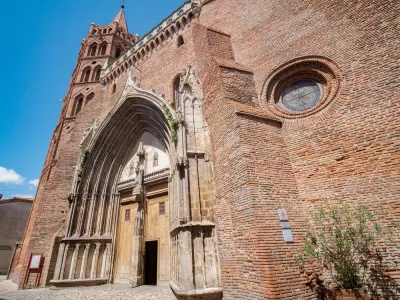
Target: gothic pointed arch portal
137,186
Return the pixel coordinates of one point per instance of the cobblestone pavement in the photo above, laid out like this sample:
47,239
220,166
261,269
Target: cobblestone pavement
104,292
6,285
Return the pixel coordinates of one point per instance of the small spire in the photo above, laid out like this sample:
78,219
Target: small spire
120,18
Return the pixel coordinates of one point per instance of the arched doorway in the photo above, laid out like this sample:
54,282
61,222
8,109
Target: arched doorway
151,154
120,200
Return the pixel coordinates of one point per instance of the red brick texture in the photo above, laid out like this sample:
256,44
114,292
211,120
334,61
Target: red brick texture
263,160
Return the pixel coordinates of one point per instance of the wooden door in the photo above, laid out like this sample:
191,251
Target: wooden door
123,255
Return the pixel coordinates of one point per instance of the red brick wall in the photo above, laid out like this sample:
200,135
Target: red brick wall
349,150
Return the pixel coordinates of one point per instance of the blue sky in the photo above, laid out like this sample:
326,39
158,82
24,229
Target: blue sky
40,43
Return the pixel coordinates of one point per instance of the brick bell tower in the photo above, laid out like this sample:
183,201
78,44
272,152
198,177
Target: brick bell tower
101,47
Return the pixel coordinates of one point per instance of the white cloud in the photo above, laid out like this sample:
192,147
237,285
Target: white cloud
22,196
10,176
34,182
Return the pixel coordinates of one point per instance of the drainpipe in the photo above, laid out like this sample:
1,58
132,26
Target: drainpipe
16,246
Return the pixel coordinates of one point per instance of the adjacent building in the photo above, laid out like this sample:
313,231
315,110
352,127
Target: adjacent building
14,215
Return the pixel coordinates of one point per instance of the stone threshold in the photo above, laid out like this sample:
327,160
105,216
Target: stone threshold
79,282
214,293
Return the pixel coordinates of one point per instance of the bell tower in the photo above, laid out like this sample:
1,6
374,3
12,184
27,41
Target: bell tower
101,47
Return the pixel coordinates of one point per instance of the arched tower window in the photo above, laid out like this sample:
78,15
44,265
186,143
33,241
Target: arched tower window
103,49
96,74
92,50
78,104
184,22
114,88
118,52
180,41
86,75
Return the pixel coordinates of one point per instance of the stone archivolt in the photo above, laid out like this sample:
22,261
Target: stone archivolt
120,160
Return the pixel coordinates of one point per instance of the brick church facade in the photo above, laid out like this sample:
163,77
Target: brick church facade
174,151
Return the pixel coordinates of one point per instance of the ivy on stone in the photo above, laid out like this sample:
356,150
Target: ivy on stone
85,155
173,123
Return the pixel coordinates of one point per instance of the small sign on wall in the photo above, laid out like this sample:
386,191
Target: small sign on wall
283,216
35,261
286,230
35,266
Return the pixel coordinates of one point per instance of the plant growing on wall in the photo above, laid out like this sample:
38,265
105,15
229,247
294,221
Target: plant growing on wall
344,243
84,157
174,122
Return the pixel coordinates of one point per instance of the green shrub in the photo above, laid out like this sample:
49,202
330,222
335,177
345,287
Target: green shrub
346,242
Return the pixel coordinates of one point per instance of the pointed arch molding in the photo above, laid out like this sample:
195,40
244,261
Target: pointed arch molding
131,92
91,230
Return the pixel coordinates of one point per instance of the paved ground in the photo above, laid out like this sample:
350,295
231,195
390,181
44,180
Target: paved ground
104,292
6,285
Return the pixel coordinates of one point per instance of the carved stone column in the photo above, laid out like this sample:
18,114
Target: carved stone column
95,260
199,263
73,261
84,261
59,261
80,227
64,261
137,264
185,260
92,205
100,215
106,259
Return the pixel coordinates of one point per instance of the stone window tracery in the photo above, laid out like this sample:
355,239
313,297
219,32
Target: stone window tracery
302,87
301,95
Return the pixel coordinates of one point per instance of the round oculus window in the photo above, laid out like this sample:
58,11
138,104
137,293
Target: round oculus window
301,95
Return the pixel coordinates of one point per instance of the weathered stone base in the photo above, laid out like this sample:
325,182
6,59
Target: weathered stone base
78,282
203,294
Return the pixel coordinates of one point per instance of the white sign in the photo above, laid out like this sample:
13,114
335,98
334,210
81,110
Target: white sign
285,225
283,214
35,262
287,235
